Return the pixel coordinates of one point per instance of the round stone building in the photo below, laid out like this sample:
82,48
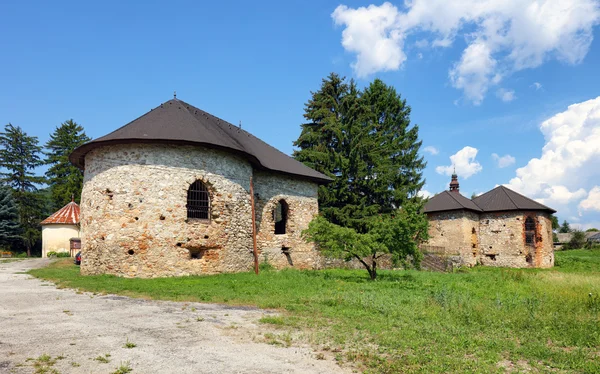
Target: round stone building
169,194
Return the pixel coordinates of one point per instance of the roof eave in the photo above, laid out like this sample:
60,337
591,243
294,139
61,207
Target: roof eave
549,210
451,210
77,157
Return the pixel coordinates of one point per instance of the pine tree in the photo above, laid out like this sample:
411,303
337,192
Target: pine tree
32,212
395,168
364,141
565,227
65,179
19,156
322,141
9,218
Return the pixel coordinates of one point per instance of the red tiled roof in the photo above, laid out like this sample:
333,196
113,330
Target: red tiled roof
68,214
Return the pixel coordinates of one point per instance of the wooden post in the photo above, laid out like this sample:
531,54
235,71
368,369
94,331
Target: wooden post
254,250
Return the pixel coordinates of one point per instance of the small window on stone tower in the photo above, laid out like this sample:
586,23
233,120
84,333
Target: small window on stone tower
530,231
280,216
198,201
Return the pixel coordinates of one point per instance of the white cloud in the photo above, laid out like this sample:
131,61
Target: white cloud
569,161
464,162
371,33
506,95
537,86
587,225
423,43
502,36
592,202
431,149
503,161
424,194
474,71
560,195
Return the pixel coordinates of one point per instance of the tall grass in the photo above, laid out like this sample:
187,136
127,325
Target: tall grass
477,320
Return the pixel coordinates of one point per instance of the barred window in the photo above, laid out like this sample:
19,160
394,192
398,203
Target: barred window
198,201
530,231
280,216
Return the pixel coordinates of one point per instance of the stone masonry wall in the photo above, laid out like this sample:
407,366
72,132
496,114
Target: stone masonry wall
134,219
454,233
502,240
289,249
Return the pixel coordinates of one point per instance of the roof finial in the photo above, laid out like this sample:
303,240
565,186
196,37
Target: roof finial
240,124
72,198
174,94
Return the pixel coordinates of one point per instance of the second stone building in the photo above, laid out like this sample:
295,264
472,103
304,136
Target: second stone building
497,228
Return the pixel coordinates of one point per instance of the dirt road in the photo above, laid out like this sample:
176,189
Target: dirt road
71,332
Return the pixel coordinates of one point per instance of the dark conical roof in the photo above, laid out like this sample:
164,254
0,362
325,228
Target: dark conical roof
176,122
449,201
502,199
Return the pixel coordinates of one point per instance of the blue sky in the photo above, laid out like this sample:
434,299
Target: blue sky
481,78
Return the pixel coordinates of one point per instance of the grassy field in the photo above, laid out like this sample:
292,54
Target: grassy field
478,320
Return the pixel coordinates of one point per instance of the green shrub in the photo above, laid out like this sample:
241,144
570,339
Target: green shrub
63,254
51,254
265,265
578,240
21,255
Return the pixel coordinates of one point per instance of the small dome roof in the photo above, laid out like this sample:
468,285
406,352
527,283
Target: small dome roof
67,215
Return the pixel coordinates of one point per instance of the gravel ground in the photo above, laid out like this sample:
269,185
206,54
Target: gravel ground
81,332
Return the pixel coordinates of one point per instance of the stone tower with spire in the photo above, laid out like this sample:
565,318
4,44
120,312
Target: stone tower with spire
454,186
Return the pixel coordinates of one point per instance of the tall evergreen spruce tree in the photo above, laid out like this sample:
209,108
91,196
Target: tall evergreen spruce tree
321,140
9,218
65,179
365,142
19,156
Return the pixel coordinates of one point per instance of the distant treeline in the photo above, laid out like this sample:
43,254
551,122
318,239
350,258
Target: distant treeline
27,198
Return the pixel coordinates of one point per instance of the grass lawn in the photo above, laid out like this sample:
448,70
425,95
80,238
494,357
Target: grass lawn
477,320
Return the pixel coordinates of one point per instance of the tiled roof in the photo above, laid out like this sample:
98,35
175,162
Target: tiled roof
503,199
68,214
179,123
449,201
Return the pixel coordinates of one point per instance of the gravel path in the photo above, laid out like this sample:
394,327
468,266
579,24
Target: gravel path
81,331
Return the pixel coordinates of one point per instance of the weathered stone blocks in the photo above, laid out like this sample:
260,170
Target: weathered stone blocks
491,238
134,219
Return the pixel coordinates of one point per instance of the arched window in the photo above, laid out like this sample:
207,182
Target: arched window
280,216
198,201
530,231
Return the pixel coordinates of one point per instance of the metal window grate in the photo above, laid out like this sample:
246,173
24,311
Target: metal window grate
198,201
529,224
530,231
529,238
